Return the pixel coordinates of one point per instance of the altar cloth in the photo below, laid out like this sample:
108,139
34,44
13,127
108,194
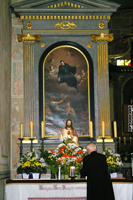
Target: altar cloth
59,190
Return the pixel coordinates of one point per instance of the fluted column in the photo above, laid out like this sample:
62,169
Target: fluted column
103,80
28,79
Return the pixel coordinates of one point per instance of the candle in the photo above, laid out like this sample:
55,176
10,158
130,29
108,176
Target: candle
21,130
115,129
91,129
130,140
72,171
119,140
31,129
124,140
42,129
103,129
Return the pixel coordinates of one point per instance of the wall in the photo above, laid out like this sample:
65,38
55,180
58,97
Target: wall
16,91
5,91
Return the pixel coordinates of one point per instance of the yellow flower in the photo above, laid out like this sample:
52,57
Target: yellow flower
38,164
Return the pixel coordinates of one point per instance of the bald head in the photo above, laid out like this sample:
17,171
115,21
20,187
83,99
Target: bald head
91,147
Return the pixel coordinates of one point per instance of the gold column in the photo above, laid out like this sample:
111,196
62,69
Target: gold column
103,80
28,79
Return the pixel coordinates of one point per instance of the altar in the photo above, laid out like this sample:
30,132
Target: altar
60,189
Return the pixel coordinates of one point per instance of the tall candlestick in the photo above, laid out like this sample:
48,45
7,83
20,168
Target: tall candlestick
21,130
103,129
124,140
115,129
42,129
119,140
91,129
130,140
31,129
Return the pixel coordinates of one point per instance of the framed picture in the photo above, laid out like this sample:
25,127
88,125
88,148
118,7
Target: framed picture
65,90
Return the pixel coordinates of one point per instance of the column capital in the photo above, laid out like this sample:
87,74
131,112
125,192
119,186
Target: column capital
102,37
29,38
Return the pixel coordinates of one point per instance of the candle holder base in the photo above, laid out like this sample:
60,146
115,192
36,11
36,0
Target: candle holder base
72,177
42,143
103,146
115,139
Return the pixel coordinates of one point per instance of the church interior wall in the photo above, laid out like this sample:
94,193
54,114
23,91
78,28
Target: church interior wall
5,92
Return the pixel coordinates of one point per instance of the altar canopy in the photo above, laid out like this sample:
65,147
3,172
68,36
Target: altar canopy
81,28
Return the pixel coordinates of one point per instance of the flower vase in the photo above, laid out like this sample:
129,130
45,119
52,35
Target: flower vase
113,175
36,175
25,176
66,176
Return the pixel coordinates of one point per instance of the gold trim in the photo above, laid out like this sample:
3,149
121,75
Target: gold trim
102,37
80,17
44,83
29,24
89,46
65,25
101,25
29,38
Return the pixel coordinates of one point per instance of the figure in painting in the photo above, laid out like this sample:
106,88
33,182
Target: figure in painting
66,75
69,132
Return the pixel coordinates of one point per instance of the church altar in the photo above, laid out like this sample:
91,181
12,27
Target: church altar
28,189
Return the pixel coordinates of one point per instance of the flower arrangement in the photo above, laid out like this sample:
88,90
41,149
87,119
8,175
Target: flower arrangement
113,160
66,155
30,162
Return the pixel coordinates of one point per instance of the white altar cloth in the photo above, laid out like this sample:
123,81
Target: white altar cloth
61,191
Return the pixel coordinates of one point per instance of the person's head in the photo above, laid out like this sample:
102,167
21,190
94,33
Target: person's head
68,104
91,147
62,62
69,123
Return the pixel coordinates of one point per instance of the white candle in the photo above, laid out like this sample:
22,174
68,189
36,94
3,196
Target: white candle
72,170
21,130
42,129
91,129
31,129
115,129
103,129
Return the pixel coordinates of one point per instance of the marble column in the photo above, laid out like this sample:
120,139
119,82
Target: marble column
28,80
103,81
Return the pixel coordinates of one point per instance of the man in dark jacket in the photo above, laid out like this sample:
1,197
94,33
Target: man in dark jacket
99,186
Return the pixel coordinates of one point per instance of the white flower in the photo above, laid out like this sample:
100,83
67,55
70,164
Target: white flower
43,164
60,145
41,160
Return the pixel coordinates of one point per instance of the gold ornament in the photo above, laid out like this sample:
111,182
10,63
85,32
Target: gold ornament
29,38
102,37
29,25
42,45
65,25
89,45
101,25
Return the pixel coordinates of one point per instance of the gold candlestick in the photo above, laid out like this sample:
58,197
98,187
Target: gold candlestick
124,140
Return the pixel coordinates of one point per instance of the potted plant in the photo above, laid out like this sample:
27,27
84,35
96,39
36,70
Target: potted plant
114,162
66,155
31,163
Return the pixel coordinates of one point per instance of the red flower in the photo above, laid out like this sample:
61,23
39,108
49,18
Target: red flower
63,147
52,151
79,159
65,155
80,152
59,161
61,151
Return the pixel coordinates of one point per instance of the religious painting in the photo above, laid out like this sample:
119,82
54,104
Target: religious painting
66,90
